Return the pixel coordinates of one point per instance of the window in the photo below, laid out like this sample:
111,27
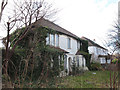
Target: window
52,39
48,39
82,62
57,40
77,61
69,43
102,60
65,61
73,59
108,61
78,45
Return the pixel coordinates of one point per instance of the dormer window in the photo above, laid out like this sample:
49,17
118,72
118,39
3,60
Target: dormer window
69,43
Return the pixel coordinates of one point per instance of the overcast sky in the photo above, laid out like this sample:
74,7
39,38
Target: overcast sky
90,18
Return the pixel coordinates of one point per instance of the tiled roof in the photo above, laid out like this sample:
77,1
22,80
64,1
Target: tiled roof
78,53
91,43
49,24
58,49
81,53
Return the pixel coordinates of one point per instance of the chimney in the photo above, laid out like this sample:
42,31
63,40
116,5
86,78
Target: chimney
94,40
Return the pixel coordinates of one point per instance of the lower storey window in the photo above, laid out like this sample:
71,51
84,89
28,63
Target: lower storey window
102,60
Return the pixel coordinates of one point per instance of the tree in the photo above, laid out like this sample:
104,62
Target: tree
114,38
114,44
25,13
3,5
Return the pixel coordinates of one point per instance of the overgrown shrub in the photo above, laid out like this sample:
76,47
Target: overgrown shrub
76,70
31,60
96,66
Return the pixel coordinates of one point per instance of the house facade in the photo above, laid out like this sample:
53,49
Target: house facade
65,41
99,53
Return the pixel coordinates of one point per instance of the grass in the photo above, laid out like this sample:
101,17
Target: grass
87,80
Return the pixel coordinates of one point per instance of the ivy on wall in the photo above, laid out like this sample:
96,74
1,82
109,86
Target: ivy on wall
84,51
33,58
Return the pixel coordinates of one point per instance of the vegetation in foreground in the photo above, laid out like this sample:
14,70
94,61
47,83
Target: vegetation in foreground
89,79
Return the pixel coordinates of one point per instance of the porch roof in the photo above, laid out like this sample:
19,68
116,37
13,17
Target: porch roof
58,48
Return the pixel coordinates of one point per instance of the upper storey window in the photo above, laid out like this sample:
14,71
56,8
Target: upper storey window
57,40
52,38
48,39
78,45
69,43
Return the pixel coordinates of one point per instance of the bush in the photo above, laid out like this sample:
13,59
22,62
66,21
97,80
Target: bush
76,70
96,66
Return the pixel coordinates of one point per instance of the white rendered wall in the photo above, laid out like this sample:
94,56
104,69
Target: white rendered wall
63,44
97,51
81,60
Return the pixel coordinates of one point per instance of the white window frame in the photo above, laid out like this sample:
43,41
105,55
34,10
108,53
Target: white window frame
48,41
52,40
57,40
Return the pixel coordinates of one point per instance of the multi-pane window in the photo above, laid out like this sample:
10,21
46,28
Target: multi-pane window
48,39
69,43
57,40
102,60
52,39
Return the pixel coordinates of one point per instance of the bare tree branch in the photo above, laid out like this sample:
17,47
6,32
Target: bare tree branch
25,14
3,5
